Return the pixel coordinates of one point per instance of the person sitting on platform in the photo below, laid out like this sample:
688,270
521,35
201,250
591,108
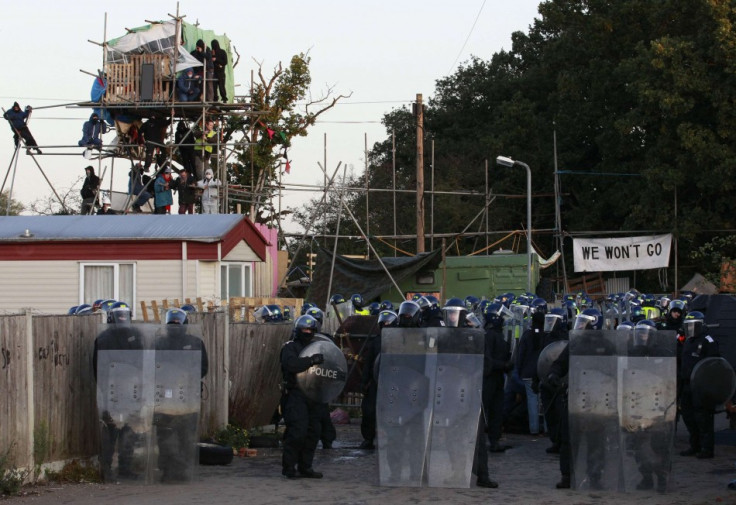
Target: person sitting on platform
187,86
92,132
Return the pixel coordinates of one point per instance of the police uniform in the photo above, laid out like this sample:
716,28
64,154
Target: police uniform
176,432
496,362
369,385
114,432
301,415
698,418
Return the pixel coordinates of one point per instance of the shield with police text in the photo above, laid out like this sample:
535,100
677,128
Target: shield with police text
712,382
647,383
124,366
403,407
323,382
593,408
456,405
177,400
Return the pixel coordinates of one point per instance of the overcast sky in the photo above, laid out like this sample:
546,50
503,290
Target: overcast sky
383,52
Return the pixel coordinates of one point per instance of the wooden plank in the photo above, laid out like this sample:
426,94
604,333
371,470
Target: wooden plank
14,425
254,394
144,311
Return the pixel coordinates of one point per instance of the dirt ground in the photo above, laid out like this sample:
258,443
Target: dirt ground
526,474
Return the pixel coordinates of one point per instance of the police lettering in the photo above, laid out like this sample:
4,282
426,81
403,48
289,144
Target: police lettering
323,372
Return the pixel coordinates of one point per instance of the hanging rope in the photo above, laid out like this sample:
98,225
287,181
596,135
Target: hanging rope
392,246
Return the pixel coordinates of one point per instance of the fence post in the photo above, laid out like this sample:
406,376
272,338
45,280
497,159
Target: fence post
29,390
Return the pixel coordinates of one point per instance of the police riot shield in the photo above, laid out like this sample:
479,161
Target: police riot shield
593,409
548,356
457,402
124,367
403,406
610,316
324,382
177,400
712,382
647,382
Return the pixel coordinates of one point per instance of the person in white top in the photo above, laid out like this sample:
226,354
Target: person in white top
210,194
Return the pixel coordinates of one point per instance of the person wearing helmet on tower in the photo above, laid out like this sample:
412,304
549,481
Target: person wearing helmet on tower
698,418
369,379
496,364
119,335
301,415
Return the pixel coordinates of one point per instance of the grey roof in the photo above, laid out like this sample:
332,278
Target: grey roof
197,227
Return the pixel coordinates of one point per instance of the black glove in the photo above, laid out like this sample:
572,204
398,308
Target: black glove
317,359
29,108
553,381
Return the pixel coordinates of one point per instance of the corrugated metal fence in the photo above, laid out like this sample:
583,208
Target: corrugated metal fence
49,390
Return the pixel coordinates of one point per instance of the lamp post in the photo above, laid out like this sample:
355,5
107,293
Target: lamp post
508,162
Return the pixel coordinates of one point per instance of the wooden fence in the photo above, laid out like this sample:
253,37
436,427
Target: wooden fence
50,391
124,79
240,309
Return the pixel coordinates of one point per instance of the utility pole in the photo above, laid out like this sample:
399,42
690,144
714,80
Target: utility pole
419,113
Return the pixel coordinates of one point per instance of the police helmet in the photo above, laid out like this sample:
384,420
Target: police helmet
357,300
72,310
637,313
286,312
409,314
589,319
386,305
434,302
539,305
305,327
694,323
337,299
119,313
678,306
643,332
493,314
471,303
555,319
176,316
269,314
107,304
188,308
317,314
454,312
387,318
83,309
96,305
423,303
306,306
625,326
374,308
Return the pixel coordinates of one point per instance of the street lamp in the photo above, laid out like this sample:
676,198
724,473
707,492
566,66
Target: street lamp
505,161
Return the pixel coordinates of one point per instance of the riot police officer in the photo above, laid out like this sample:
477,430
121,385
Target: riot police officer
369,381
176,430
555,328
118,336
698,418
496,363
301,415
410,314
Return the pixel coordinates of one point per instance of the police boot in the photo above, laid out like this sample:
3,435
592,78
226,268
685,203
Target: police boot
486,482
646,482
661,483
691,451
564,483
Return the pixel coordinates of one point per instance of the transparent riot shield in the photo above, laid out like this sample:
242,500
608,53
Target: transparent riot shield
456,405
548,356
593,409
124,372
403,407
324,382
647,382
177,401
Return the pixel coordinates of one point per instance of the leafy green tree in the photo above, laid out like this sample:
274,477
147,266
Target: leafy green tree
267,135
15,206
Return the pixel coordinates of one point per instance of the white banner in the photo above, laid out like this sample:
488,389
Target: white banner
627,253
